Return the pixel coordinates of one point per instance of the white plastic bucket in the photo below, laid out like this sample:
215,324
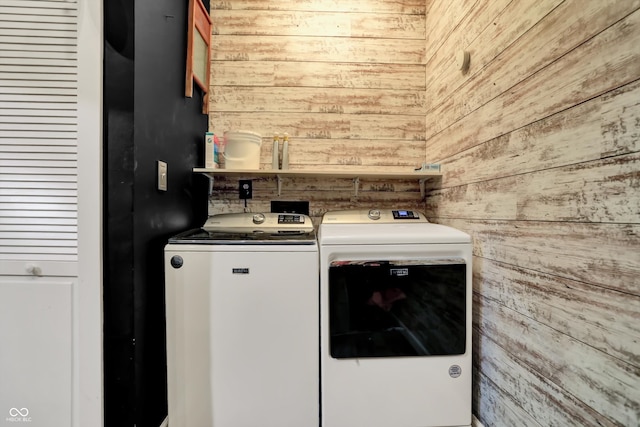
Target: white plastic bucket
242,150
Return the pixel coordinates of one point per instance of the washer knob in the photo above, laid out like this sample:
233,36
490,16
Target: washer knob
258,218
374,214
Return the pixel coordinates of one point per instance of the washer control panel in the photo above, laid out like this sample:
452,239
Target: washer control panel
267,222
290,219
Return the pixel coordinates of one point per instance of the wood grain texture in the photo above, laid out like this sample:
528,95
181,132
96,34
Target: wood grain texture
442,19
608,319
317,49
318,75
562,249
562,31
319,100
326,153
603,63
489,28
595,191
318,24
570,364
344,79
409,7
322,125
497,407
602,127
512,394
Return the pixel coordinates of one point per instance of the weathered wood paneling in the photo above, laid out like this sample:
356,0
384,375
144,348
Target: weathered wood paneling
487,33
564,29
570,364
345,80
488,29
496,405
608,319
595,191
323,49
322,195
323,125
318,24
319,100
408,7
605,62
319,153
539,143
523,391
602,254
442,19
317,75
602,127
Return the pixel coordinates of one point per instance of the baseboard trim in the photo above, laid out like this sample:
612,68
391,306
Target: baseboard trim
476,422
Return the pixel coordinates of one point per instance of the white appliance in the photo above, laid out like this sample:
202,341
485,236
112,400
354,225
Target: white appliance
242,323
395,298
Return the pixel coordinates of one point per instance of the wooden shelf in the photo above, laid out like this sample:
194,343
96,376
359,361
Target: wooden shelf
421,176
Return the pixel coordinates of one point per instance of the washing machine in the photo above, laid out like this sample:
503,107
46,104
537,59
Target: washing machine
395,308
242,323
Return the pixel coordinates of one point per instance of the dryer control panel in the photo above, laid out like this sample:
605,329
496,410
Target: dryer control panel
405,215
383,216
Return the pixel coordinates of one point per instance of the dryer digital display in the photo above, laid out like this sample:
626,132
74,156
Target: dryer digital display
405,215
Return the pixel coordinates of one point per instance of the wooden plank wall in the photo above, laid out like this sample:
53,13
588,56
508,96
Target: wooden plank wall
346,81
539,142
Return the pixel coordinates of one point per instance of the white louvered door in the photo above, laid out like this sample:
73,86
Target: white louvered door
38,136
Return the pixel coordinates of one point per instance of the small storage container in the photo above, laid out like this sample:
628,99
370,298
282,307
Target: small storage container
242,150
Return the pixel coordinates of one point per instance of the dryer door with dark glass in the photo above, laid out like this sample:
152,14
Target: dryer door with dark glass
397,308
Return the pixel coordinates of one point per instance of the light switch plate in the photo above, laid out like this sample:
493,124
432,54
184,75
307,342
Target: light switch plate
162,176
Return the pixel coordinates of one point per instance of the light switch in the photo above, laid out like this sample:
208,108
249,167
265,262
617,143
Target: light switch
162,176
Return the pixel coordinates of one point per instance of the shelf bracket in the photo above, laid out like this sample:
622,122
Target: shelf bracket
422,189
356,185
279,184
211,181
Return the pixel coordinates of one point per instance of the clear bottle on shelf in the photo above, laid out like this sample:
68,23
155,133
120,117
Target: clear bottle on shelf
285,151
275,162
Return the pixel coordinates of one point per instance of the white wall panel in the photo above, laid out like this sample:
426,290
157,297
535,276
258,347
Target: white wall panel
36,350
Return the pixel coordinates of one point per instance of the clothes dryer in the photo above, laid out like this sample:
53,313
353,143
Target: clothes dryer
395,297
242,323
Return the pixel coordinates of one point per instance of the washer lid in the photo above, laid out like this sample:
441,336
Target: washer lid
200,236
371,216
